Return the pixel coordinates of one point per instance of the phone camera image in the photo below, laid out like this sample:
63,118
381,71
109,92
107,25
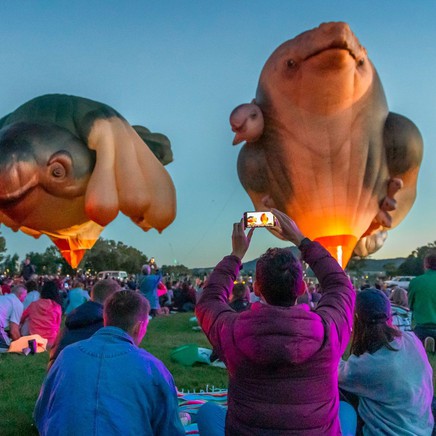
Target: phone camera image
259,219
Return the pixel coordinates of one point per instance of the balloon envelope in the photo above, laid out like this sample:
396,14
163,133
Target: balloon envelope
329,147
69,165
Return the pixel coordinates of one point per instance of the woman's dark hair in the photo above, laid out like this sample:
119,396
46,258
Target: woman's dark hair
370,337
50,291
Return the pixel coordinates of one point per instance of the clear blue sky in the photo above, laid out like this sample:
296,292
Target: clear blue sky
180,67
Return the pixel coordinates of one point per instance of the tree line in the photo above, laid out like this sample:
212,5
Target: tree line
105,255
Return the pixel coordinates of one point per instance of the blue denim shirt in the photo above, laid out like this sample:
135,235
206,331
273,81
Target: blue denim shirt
106,385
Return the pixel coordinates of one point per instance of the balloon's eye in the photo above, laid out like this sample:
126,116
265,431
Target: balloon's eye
290,63
58,170
360,62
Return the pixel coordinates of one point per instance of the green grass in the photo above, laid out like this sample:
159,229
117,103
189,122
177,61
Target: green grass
167,333
21,376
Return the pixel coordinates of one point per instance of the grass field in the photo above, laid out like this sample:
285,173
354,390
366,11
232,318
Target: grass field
21,376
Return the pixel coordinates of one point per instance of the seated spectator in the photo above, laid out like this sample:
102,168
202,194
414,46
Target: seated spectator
315,296
198,286
32,293
388,371
239,301
6,285
86,319
364,286
132,284
281,358
254,298
310,297
76,296
161,289
164,303
401,314
305,297
240,297
107,384
43,317
11,309
185,297
173,291
382,286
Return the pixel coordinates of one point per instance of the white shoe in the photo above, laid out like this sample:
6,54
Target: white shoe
429,344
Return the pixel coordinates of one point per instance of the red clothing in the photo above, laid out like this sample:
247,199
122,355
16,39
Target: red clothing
44,319
6,289
282,361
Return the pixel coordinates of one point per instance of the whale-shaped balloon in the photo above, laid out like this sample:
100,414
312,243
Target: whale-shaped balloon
68,165
323,147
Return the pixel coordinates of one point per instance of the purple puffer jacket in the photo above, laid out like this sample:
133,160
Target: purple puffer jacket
282,362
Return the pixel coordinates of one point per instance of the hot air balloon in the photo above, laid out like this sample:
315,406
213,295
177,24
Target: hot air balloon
323,146
68,165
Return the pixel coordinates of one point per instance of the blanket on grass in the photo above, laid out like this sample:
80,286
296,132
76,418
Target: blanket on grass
191,401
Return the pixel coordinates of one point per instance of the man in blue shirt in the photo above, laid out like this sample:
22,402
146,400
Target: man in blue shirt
107,385
148,284
76,296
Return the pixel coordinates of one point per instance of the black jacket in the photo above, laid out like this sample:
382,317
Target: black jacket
80,324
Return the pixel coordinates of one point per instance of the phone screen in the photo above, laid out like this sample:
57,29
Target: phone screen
259,219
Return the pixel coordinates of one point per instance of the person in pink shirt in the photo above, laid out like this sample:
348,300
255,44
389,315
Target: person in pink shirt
43,317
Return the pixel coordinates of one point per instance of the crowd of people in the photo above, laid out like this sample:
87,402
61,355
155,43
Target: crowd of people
32,304
281,337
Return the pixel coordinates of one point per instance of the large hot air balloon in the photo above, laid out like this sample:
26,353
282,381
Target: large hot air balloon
322,145
68,165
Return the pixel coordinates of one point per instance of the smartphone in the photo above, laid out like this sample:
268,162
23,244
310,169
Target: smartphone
259,219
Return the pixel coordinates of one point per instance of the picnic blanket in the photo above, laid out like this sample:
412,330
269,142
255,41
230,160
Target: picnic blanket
191,401
21,345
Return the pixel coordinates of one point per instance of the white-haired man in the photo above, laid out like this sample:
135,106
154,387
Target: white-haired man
11,309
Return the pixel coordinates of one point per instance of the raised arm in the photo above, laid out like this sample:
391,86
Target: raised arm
337,302
212,309
336,305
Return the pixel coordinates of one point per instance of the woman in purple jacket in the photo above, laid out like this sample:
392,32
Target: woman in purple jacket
282,359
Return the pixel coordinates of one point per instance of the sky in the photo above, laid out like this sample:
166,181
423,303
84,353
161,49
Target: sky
180,67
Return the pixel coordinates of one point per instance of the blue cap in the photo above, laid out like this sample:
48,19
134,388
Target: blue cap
373,306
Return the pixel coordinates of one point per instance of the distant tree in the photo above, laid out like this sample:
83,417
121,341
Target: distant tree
356,265
49,262
2,248
414,264
108,255
11,264
131,258
176,270
391,269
